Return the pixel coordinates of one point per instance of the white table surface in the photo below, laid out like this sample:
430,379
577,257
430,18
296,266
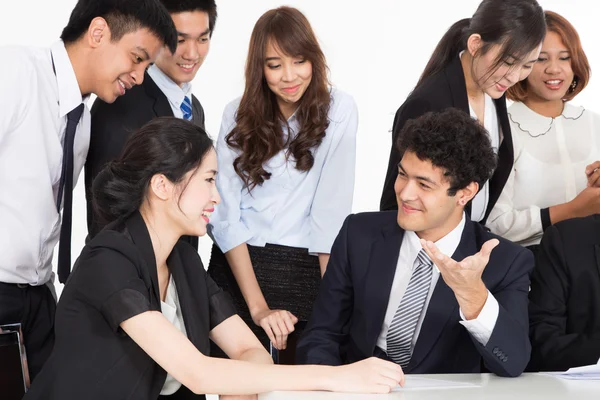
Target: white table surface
527,386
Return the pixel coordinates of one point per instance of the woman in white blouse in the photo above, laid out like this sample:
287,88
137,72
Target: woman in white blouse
556,144
286,153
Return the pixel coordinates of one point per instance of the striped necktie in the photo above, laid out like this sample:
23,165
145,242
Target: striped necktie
403,325
186,108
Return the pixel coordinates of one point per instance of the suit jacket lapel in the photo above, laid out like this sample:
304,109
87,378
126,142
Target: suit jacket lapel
505,156
197,114
161,106
383,261
458,86
458,89
597,252
443,305
192,321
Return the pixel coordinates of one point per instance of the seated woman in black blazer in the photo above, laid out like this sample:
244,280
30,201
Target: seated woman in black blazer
135,318
473,65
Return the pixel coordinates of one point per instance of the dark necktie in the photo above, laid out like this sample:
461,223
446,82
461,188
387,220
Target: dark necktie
66,187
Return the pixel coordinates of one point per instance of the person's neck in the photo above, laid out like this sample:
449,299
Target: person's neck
80,60
474,91
162,235
287,109
437,233
547,108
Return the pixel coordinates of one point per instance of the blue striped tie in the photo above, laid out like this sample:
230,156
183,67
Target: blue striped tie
186,108
403,325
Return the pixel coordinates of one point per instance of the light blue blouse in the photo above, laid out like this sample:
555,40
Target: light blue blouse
292,208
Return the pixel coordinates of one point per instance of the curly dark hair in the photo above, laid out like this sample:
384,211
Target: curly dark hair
453,141
257,133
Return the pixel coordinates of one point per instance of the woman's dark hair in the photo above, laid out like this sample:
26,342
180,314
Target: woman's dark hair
257,133
165,145
579,63
454,142
518,26
122,16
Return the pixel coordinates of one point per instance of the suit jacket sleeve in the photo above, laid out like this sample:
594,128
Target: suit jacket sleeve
328,326
412,108
554,349
508,350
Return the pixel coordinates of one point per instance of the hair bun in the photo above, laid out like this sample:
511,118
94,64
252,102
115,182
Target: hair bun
114,196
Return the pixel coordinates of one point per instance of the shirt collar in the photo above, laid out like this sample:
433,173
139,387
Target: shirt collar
447,245
530,120
69,94
172,90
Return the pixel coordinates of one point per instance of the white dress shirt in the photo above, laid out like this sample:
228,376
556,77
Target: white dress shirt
480,201
35,103
292,208
549,169
171,309
481,328
174,92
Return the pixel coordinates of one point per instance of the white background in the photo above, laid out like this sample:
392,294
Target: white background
375,49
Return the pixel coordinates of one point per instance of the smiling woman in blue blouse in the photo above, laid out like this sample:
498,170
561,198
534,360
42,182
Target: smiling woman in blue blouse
286,152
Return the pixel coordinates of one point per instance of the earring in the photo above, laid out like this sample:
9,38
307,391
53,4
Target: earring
573,85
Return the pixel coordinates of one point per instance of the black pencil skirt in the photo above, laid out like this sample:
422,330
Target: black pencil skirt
289,279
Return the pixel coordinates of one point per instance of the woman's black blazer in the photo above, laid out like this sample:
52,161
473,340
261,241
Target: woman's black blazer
443,90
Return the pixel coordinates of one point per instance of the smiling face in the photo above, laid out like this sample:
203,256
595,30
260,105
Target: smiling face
496,80
288,77
119,65
424,205
193,43
553,74
195,198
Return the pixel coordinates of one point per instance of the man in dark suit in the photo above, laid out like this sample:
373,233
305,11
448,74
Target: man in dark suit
564,302
382,295
165,91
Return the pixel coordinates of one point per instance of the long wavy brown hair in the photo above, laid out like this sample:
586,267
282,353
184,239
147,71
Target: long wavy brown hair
258,131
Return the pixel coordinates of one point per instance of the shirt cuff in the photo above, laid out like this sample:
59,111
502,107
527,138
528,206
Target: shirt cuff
320,244
227,235
545,217
482,327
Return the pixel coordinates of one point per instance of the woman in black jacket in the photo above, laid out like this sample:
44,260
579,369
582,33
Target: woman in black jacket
135,317
473,65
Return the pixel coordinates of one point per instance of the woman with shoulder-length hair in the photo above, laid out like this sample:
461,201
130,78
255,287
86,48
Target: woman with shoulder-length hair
286,153
471,68
556,144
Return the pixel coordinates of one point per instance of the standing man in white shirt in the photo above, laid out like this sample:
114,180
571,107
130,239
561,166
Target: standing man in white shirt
166,91
391,289
44,138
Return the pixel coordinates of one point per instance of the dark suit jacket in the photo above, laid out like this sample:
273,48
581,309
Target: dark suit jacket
111,126
440,91
355,290
564,300
114,279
